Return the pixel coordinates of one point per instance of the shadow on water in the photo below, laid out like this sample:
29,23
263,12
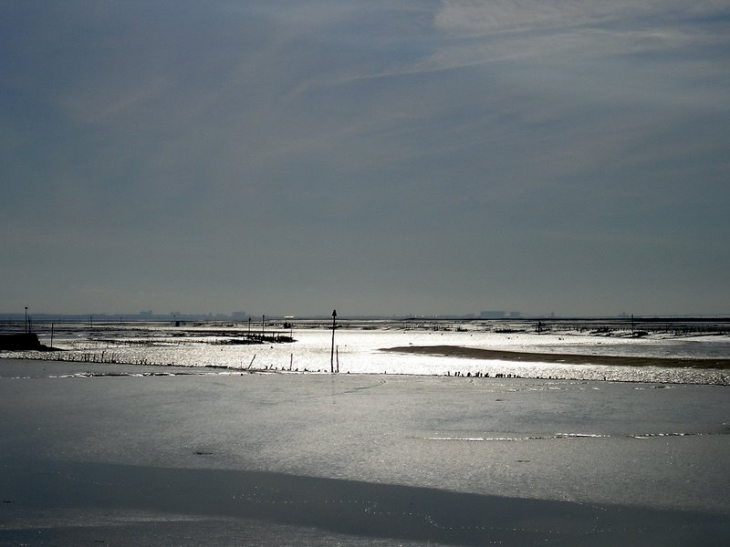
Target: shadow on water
61,503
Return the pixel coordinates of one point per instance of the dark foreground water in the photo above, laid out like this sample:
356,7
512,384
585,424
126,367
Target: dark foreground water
272,459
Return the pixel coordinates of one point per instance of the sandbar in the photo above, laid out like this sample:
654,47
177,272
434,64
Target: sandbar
565,358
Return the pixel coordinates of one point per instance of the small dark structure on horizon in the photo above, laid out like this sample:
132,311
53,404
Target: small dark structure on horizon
20,342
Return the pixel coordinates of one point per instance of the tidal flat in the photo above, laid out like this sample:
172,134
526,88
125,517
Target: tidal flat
678,352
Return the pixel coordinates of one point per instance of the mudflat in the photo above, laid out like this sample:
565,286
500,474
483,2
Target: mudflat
566,358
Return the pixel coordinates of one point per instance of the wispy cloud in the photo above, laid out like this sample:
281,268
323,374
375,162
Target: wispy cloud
480,16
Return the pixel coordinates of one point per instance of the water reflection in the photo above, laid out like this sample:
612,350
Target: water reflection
359,348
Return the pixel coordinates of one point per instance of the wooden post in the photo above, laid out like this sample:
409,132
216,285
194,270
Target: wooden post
332,351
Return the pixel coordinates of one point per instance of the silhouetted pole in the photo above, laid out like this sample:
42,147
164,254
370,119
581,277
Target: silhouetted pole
27,325
332,352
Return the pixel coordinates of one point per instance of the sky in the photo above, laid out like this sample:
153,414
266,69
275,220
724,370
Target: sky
378,157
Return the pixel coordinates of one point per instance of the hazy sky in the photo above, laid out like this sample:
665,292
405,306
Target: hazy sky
378,157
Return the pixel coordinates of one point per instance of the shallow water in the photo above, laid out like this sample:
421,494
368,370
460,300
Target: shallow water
272,459
358,348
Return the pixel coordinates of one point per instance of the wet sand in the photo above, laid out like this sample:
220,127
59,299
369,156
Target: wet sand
277,459
564,358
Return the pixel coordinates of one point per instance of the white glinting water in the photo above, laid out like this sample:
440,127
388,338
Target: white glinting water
358,349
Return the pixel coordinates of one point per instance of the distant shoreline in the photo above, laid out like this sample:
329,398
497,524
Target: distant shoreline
563,358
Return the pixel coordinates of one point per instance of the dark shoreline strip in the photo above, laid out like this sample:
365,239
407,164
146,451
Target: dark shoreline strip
563,358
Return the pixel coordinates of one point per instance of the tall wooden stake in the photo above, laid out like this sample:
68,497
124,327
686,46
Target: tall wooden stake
332,352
